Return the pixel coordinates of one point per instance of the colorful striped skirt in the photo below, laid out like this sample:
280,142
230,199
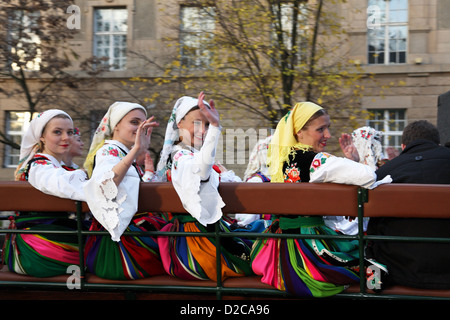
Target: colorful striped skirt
133,257
305,267
41,255
194,258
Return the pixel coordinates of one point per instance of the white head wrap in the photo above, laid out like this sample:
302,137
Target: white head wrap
32,137
367,142
258,159
180,109
105,129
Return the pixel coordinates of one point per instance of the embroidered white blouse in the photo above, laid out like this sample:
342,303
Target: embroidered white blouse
112,206
51,178
195,180
328,168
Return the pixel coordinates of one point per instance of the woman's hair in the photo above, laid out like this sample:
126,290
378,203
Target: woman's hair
420,129
194,108
40,143
316,115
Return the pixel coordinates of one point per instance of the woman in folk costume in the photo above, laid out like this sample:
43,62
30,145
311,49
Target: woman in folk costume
43,146
309,267
76,150
188,154
370,151
257,168
112,195
257,171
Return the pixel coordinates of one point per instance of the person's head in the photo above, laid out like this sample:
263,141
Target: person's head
125,130
315,132
76,149
128,115
46,133
186,124
367,141
193,127
304,128
56,137
420,129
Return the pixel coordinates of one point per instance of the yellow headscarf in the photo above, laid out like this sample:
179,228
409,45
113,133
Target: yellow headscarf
284,141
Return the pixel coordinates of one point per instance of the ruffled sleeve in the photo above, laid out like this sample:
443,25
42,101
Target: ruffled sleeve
328,168
50,178
112,206
196,182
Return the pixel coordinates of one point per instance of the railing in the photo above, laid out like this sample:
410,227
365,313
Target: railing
395,200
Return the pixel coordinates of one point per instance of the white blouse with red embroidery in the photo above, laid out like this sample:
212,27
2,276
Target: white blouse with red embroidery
48,176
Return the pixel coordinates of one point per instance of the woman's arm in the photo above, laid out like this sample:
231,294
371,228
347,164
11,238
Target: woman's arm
142,142
205,158
57,181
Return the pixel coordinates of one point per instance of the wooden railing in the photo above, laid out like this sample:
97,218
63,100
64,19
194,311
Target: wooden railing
391,200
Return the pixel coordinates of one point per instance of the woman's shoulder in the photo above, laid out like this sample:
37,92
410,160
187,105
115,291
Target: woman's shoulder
44,159
181,151
112,148
303,156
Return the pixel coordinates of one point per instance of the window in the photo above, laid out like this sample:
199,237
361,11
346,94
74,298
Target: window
286,14
110,36
16,126
197,27
391,122
23,41
387,36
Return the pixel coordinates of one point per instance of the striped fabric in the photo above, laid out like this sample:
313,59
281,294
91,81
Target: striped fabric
133,257
43,255
191,257
305,267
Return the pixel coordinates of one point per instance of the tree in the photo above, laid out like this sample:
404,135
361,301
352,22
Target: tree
263,56
33,53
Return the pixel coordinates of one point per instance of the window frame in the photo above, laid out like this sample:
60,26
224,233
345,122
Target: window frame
386,123
386,24
302,29
111,34
7,156
202,57
23,33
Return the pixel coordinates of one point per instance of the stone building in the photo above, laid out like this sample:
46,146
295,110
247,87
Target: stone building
403,44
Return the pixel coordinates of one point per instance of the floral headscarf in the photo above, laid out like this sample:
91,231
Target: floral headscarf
105,129
180,109
367,142
258,159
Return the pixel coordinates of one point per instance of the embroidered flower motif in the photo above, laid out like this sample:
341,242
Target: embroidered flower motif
318,161
43,161
111,151
292,174
178,155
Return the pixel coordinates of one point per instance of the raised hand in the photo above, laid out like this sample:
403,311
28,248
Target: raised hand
149,166
211,113
143,134
348,148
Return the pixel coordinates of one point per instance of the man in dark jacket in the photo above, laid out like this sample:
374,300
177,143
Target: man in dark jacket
422,265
